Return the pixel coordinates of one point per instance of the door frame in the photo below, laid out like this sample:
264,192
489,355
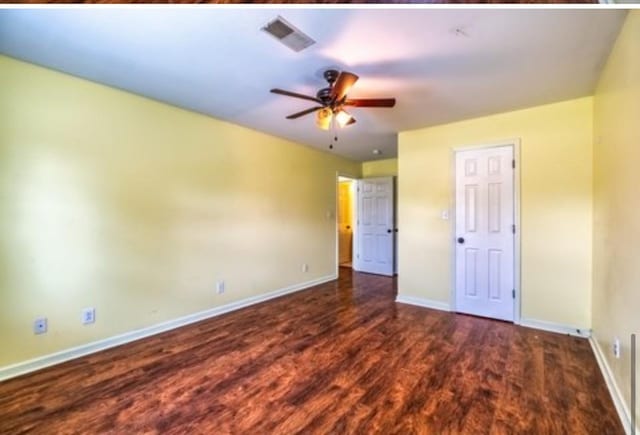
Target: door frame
354,225
515,144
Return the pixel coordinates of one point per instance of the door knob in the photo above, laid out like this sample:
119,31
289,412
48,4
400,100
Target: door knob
461,240
389,231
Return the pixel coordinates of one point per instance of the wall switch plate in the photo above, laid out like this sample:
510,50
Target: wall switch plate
88,315
40,325
616,347
220,287
305,267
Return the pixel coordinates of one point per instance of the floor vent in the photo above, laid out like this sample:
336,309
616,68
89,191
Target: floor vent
288,34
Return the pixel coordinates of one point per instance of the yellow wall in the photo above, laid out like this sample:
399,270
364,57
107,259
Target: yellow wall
347,203
616,271
136,208
380,168
556,210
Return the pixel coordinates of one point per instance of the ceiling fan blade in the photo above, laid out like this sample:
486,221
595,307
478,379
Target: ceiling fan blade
351,121
295,95
342,85
304,112
371,102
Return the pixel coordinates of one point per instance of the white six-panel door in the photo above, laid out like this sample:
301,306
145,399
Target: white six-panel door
375,226
485,232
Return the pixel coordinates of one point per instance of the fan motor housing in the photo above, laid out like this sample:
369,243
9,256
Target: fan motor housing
324,95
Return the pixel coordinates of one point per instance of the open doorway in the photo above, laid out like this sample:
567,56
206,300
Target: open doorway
346,220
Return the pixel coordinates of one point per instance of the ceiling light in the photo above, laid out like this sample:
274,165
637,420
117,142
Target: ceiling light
323,118
343,118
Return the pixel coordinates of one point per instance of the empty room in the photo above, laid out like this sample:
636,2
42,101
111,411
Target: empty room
329,220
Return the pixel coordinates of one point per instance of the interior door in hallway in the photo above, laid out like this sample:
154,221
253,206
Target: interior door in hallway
484,270
376,233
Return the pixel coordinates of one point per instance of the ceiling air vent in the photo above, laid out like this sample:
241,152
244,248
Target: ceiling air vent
288,34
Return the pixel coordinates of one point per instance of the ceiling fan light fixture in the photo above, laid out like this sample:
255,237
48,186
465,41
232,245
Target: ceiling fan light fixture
323,118
332,100
343,118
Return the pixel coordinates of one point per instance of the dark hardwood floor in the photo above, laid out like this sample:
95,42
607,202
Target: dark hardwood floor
339,358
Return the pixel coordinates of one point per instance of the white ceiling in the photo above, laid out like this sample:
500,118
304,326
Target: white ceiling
217,61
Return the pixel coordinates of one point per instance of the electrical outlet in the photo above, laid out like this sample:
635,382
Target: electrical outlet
40,325
616,347
305,267
220,287
88,315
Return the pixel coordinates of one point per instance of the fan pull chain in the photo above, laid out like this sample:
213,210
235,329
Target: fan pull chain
335,134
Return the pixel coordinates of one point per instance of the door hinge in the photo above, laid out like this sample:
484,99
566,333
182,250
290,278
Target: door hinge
513,163
513,228
513,293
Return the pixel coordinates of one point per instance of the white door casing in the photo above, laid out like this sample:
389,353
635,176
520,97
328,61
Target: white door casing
484,232
375,227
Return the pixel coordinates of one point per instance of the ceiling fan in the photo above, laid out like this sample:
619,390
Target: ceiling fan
333,99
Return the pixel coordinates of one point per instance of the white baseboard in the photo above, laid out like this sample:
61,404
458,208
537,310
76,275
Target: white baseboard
31,365
529,323
614,391
555,327
421,302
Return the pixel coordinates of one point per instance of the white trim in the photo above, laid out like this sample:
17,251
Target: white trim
515,144
355,225
355,254
527,323
497,144
421,302
517,312
612,386
555,327
396,239
31,365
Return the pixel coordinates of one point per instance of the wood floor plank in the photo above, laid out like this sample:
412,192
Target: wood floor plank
342,357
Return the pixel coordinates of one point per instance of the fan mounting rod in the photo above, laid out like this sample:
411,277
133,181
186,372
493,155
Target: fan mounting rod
331,75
